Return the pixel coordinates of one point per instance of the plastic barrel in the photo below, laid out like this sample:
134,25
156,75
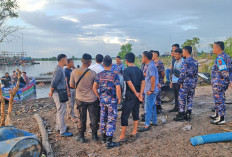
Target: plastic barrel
211,138
15,142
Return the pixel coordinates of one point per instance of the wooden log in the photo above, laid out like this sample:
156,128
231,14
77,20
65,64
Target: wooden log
11,101
228,130
45,142
2,107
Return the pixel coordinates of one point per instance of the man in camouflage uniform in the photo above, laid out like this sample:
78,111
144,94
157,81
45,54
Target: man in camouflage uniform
160,67
110,95
220,78
188,83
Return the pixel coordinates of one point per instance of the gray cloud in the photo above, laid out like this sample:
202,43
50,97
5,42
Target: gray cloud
100,26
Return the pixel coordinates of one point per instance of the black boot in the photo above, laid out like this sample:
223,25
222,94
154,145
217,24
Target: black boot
219,121
215,116
94,136
103,138
179,117
110,144
187,116
158,109
81,137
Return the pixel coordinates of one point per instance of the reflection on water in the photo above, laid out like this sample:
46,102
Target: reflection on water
33,70
42,91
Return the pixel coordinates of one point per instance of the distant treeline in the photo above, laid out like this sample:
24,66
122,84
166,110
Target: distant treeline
55,59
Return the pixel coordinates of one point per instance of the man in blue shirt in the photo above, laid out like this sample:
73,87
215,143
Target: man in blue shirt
71,92
151,91
118,67
220,78
175,77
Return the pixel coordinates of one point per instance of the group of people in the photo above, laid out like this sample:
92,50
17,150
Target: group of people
8,81
97,88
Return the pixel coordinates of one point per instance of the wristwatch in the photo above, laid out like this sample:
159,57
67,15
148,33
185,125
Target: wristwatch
151,91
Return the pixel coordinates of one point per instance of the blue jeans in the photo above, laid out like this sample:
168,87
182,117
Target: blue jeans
167,73
150,109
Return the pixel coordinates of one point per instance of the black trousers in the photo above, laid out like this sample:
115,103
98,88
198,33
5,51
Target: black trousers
92,107
131,104
176,89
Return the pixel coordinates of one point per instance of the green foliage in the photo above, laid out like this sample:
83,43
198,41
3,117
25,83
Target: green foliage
192,42
228,46
125,49
7,11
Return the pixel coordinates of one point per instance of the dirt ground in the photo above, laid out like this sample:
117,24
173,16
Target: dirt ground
167,139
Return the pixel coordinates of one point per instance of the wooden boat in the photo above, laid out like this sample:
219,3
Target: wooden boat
23,93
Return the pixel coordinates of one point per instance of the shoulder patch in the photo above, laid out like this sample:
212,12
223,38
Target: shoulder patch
221,64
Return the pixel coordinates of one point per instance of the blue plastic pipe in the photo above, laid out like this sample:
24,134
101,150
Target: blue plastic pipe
211,138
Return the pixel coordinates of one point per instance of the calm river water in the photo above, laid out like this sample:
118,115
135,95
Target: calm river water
37,70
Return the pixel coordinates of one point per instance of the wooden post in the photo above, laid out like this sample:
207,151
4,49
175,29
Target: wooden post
45,142
11,101
2,107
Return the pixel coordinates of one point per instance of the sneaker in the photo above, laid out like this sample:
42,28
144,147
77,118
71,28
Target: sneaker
143,129
219,121
67,129
66,134
214,117
152,124
81,137
94,136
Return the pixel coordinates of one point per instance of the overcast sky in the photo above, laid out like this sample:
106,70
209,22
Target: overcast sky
75,27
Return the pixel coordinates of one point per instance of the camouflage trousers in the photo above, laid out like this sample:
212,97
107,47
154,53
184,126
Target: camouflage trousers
158,97
186,97
219,98
108,118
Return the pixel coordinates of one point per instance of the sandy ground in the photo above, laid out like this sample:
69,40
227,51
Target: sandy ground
167,139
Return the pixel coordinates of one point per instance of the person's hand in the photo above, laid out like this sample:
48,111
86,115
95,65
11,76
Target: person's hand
159,85
141,98
171,85
149,93
119,101
50,95
181,86
230,85
137,95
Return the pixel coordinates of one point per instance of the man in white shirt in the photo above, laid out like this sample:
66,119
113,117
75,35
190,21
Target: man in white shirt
98,66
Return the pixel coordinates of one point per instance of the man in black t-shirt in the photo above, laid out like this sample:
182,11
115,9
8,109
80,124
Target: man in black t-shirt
135,84
6,80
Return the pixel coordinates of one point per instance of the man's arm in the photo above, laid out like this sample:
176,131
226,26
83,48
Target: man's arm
118,92
68,90
95,87
55,80
142,90
72,80
152,85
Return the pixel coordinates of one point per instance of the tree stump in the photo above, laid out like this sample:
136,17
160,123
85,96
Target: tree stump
11,101
45,142
2,107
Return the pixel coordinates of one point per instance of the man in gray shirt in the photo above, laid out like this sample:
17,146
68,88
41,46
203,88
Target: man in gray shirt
59,82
